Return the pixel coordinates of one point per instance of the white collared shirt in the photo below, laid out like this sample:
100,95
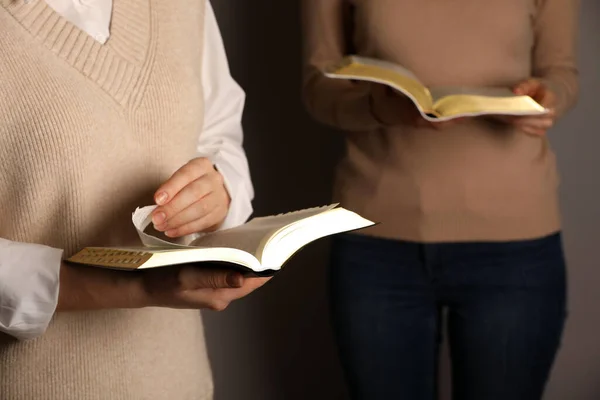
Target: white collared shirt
29,273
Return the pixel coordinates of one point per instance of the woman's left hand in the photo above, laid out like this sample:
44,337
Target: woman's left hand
193,200
540,92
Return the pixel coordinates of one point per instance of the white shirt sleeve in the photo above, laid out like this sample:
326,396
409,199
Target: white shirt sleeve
29,277
222,137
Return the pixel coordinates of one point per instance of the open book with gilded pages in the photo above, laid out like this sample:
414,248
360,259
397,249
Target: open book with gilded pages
436,104
262,245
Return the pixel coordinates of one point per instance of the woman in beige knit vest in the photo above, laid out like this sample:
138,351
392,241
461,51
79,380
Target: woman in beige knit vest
105,106
468,211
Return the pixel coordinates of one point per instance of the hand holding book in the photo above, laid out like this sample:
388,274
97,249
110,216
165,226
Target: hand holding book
197,287
183,287
536,125
436,104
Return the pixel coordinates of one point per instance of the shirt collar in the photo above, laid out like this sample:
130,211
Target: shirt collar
91,16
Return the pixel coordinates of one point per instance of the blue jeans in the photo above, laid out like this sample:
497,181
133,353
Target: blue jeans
505,302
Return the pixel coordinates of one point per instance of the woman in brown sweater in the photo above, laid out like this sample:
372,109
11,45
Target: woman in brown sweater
469,210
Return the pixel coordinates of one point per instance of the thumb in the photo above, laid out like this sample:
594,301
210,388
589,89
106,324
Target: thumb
527,88
192,278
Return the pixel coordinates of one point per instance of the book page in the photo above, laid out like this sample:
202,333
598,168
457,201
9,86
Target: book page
452,102
252,236
142,218
295,236
386,73
438,93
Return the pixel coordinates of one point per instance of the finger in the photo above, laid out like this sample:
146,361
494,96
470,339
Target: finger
194,278
548,101
220,298
206,223
545,123
195,212
248,286
255,282
189,195
538,123
534,131
534,120
181,178
527,88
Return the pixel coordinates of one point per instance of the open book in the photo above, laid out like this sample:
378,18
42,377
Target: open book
436,104
262,245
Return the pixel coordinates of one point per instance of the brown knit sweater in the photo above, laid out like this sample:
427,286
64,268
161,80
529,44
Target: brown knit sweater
88,132
476,180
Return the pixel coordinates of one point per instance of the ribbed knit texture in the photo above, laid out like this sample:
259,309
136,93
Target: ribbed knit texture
87,133
476,180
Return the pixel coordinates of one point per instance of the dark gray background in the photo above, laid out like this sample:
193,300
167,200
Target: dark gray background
276,344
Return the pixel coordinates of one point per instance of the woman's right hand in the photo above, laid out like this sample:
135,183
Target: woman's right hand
188,287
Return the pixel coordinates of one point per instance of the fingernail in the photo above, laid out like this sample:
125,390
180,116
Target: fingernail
171,233
160,227
235,280
159,218
161,198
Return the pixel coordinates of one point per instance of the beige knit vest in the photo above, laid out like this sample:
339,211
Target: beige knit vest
87,133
